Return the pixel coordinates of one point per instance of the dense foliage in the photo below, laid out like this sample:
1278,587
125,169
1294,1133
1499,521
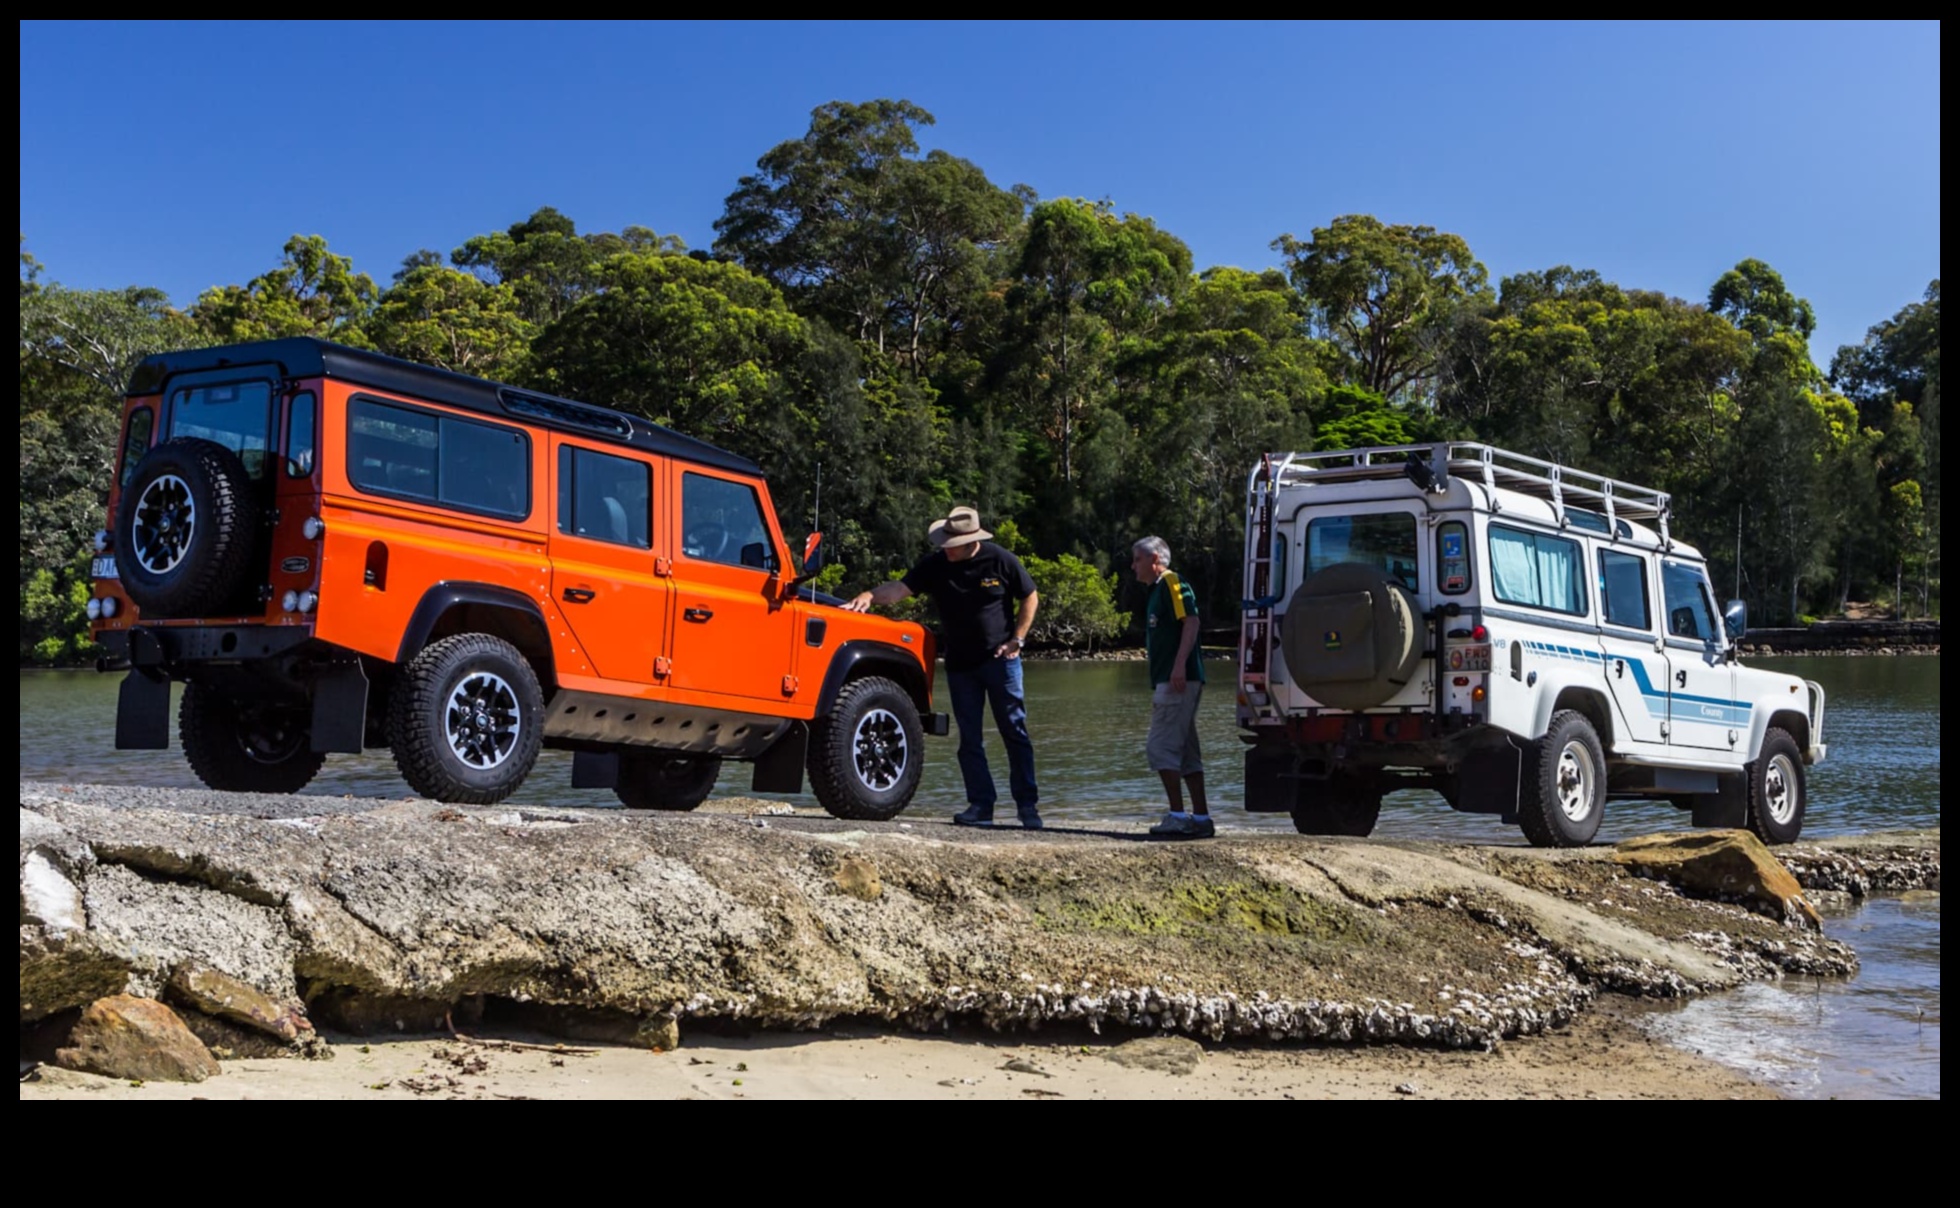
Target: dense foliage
889,333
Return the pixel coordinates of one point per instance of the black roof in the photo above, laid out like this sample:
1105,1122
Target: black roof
306,357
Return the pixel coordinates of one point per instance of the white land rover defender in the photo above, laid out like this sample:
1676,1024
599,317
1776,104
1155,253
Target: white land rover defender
1526,639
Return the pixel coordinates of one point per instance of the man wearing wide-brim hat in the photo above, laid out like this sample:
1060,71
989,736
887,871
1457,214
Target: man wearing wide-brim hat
986,605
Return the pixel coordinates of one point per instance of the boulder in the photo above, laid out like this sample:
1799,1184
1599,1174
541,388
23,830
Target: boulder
1729,865
139,1039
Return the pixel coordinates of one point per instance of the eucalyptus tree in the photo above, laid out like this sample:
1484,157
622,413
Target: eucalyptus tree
1387,297
859,229
446,317
312,292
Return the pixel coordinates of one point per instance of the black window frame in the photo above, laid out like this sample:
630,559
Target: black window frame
569,495
519,510
1607,614
133,448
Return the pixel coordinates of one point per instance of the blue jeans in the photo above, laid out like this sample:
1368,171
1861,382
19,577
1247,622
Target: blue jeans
996,682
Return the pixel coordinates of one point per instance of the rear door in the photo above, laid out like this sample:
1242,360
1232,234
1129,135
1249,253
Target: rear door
603,573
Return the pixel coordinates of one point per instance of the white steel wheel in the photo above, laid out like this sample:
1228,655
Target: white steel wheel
1563,794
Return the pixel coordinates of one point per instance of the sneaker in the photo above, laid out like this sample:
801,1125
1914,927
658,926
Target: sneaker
1030,819
1185,826
973,815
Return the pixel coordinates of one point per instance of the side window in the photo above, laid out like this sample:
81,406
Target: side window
721,521
1537,570
1453,557
421,455
300,427
1623,590
136,441
605,498
1689,612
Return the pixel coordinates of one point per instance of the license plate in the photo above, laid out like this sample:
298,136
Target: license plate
1469,658
102,568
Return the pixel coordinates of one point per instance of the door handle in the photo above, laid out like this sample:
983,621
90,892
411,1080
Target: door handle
698,615
1681,679
579,595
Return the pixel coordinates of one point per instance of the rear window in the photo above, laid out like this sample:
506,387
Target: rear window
430,457
1383,540
237,415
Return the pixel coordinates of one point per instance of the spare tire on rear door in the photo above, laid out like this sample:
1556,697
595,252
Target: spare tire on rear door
1351,635
185,529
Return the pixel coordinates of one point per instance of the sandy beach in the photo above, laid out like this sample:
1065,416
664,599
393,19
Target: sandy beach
1602,1055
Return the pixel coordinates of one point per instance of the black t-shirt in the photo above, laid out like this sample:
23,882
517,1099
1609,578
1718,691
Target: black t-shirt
977,599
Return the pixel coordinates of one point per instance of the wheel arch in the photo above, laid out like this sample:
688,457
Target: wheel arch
1584,699
1794,721
854,660
447,609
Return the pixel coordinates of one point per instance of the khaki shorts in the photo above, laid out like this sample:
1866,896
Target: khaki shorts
1173,742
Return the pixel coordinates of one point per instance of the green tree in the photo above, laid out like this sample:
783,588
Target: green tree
1078,603
861,232
77,351
449,318
548,265
312,292
695,345
1385,296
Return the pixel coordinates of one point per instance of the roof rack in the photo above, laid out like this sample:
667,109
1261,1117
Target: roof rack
1565,488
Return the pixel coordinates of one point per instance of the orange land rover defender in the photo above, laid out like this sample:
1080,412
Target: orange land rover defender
335,550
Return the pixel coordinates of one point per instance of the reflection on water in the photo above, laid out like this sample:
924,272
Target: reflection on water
1088,721
1875,1036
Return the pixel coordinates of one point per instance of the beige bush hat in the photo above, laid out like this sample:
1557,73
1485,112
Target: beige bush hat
961,527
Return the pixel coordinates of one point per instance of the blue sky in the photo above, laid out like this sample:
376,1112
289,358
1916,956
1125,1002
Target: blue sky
184,155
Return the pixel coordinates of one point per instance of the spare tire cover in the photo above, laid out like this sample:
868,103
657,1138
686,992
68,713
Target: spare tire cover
185,529
1351,636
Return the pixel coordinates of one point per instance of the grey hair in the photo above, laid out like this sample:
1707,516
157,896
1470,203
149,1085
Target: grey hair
1156,547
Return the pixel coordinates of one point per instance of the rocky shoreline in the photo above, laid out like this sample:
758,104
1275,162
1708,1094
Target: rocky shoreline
385,916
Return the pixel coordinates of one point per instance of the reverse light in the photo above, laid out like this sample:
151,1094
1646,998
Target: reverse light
313,527
94,610
307,600
290,601
108,606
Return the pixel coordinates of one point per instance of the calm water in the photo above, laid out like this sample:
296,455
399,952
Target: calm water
1875,1036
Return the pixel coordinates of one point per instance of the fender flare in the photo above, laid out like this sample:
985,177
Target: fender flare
861,657
442,597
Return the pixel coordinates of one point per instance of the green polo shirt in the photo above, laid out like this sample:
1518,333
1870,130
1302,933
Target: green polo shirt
1171,600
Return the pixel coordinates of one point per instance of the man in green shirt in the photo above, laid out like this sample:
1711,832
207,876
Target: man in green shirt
1177,681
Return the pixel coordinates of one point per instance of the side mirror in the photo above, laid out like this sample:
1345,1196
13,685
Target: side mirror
812,558
1735,619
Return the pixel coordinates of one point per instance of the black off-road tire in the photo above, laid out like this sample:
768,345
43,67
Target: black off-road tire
1565,784
666,781
867,751
245,747
466,720
1342,805
1777,789
185,529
